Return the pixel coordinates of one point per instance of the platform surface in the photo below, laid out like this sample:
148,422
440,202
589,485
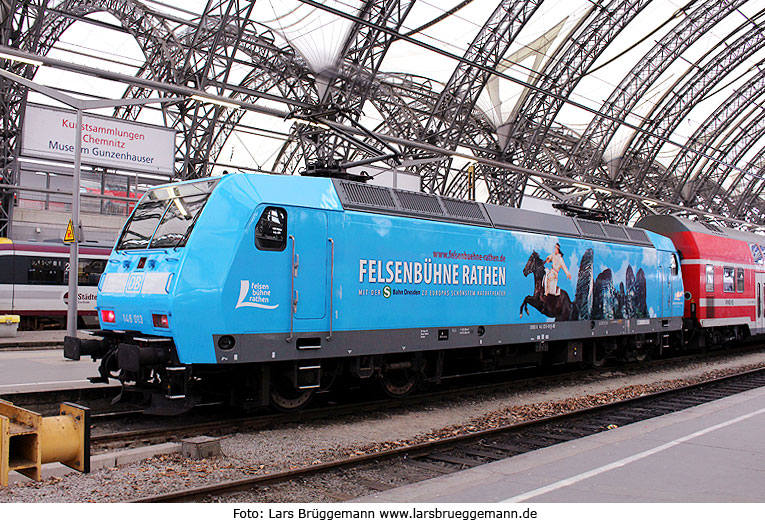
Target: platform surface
37,339
40,370
714,452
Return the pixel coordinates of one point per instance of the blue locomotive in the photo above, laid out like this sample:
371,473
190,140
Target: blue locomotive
265,289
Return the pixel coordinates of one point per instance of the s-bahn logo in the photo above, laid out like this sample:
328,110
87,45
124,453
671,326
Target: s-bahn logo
255,295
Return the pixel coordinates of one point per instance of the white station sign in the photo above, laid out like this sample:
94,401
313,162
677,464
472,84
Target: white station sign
108,142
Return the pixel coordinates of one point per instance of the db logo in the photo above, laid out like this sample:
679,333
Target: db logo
386,292
134,282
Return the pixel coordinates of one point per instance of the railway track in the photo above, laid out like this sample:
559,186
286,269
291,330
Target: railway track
46,402
455,453
108,433
214,423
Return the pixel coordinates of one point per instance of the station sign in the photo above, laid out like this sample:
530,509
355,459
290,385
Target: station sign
108,142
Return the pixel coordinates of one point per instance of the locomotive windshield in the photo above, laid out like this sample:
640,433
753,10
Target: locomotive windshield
165,216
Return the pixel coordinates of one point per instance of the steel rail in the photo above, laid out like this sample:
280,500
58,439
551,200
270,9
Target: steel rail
319,413
109,440
408,450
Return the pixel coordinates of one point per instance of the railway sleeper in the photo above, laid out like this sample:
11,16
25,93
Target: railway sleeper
454,460
424,464
512,450
568,434
483,453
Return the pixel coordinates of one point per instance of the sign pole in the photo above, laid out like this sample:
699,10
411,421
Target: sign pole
71,307
80,105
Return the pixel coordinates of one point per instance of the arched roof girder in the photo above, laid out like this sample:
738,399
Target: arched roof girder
674,106
201,57
750,205
698,190
203,53
404,101
396,97
365,50
280,70
20,27
556,83
684,164
150,31
358,65
734,151
635,85
455,105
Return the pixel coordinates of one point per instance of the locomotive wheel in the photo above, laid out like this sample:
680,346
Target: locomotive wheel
399,383
286,398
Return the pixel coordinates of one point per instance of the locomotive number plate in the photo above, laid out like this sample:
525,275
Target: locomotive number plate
132,318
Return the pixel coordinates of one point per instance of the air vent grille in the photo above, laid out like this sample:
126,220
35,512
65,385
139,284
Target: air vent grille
368,195
403,203
419,202
637,235
615,232
464,209
590,228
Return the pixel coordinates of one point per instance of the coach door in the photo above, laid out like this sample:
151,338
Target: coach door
759,287
662,291
309,238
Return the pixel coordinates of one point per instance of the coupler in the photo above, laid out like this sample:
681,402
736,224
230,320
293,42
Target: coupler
28,440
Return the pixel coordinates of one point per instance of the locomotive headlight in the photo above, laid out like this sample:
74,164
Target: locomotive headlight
226,342
160,321
108,316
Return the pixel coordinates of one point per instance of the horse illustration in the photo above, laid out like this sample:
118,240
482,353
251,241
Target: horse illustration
557,306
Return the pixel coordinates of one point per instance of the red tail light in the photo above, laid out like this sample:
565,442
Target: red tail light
160,321
108,316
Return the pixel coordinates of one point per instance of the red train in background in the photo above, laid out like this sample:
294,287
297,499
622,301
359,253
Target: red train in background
723,276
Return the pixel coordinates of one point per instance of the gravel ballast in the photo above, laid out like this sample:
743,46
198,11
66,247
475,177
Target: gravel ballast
294,445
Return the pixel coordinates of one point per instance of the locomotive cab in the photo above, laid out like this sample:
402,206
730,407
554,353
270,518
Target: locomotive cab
135,299
202,272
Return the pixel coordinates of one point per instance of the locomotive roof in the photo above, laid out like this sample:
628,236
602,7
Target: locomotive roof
390,201
668,224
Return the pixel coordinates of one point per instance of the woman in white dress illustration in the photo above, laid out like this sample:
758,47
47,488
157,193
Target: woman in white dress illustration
551,274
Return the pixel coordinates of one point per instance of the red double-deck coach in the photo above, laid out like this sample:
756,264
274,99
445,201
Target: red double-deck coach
723,276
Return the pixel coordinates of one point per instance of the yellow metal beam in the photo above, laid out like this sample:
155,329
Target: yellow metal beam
29,440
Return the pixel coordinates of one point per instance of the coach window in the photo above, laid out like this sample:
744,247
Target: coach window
728,281
740,280
756,253
88,271
45,270
271,230
710,278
